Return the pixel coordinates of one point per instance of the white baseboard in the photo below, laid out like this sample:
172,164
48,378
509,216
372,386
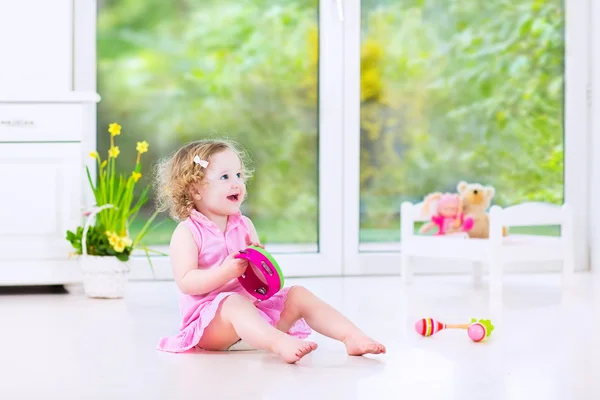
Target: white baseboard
39,272
162,270
26,273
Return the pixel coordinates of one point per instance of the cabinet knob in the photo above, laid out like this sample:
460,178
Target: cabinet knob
17,122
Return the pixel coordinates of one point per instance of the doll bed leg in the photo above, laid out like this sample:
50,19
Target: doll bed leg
406,268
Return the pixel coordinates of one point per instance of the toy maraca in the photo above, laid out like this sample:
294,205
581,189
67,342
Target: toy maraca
263,277
477,330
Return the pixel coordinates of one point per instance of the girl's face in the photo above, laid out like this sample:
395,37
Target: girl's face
222,190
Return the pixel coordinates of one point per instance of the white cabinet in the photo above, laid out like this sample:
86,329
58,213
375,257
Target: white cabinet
47,129
43,142
41,196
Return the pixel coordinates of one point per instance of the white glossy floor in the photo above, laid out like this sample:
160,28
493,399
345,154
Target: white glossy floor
545,346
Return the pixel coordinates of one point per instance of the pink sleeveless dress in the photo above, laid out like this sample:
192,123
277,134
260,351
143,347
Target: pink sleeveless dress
198,311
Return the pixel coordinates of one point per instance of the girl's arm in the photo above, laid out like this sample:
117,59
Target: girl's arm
183,253
252,237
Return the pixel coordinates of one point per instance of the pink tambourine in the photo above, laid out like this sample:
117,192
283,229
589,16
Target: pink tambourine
263,277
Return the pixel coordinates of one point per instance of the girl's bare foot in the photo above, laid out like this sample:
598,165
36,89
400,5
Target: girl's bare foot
360,345
291,350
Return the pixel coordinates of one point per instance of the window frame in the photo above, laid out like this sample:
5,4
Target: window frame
594,135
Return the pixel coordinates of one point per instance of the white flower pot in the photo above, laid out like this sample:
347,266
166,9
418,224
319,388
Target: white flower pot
104,276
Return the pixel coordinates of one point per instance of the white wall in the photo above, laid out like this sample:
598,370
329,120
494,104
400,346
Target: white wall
35,46
594,180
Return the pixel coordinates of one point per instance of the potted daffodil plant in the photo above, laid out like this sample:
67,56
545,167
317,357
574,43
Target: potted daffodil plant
103,243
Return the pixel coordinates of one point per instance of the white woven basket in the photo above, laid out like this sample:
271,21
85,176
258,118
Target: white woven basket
103,276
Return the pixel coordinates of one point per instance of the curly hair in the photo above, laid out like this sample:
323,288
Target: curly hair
176,172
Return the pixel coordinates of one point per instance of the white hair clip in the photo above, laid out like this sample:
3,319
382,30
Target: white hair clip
203,163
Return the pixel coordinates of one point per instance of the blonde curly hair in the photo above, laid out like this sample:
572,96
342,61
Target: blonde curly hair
176,172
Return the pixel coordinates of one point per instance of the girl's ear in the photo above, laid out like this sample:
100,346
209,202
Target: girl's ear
194,191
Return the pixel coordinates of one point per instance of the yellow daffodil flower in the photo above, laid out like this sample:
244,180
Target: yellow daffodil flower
127,241
114,152
122,243
119,246
142,147
136,176
114,129
113,238
118,243
94,154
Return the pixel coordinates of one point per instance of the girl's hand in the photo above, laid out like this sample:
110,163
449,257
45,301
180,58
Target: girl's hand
234,267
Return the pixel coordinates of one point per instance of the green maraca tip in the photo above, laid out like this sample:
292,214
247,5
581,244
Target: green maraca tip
489,327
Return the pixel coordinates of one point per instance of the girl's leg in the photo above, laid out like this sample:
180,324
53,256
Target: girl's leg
326,320
238,318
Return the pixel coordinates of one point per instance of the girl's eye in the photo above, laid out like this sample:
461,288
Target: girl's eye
239,174
225,176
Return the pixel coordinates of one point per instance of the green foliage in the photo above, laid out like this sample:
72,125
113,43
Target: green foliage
450,90
117,205
244,70
117,189
97,243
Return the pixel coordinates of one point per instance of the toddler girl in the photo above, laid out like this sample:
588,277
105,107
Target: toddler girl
203,186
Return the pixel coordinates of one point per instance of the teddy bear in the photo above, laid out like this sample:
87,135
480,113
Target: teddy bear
476,199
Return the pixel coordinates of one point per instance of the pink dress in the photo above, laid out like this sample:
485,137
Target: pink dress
444,223
198,311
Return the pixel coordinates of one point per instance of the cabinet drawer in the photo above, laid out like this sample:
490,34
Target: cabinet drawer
32,122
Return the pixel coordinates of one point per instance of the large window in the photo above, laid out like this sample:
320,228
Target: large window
174,71
457,90
348,108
